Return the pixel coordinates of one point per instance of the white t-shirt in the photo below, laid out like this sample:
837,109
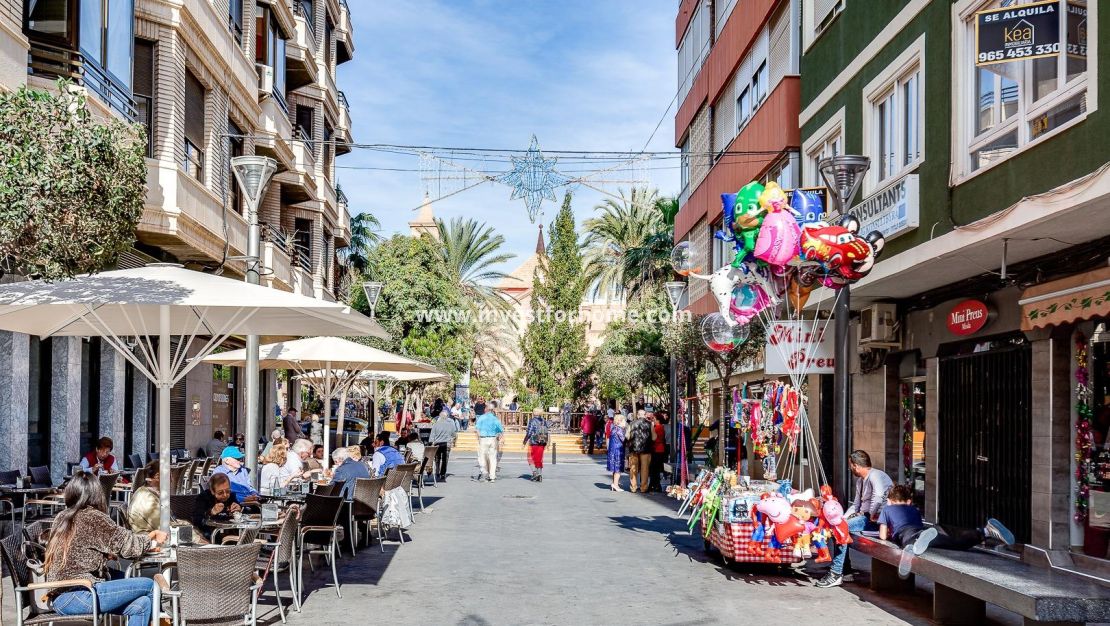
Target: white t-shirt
271,472
292,467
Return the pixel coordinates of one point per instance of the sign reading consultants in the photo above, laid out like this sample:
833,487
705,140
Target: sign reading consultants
893,211
1017,33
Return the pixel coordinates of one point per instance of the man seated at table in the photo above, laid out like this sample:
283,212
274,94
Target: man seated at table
302,449
411,440
385,455
101,458
231,465
216,445
217,503
346,470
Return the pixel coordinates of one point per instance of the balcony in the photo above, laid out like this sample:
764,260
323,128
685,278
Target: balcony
185,219
50,62
298,183
274,131
343,126
277,269
302,282
300,55
343,225
331,94
344,35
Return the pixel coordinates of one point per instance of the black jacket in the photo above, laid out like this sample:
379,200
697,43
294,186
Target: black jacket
639,436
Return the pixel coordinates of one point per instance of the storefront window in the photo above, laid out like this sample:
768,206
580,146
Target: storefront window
913,438
1096,540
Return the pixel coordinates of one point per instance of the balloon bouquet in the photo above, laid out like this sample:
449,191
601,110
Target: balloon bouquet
784,249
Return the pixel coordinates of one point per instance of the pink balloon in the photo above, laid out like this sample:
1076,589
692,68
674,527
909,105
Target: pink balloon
778,238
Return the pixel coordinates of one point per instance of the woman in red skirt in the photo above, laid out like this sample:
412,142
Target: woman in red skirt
536,440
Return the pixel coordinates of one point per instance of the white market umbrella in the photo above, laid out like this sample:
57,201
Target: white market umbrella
129,307
336,363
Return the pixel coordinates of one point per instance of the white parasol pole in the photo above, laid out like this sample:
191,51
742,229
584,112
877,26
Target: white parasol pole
165,376
327,413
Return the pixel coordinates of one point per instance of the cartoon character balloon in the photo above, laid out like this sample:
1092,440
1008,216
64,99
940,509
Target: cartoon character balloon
747,219
778,510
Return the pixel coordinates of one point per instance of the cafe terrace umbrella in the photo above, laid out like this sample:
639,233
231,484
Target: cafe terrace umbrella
338,361
128,308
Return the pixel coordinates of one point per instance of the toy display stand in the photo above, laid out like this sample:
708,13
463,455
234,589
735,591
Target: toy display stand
733,541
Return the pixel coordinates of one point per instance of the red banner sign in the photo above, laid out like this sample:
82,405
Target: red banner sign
967,317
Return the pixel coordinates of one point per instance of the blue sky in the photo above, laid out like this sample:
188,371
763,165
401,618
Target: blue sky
579,74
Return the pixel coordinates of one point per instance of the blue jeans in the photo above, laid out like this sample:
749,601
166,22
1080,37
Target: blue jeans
855,525
133,597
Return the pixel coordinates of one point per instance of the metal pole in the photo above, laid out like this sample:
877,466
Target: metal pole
676,425
164,386
251,376
842,395
327,414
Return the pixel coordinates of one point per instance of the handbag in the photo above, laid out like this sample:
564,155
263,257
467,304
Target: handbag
33,553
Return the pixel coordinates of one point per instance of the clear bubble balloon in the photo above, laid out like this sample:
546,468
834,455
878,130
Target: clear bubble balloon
682,258
721,336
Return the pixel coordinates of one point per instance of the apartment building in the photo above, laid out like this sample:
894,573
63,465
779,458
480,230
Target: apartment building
210,80
989,178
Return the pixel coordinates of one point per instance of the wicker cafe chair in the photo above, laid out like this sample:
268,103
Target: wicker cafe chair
282,557
365,502
13,502
136,461
40,475
215,585
399,476
27,610
319,528
177,478
182,507
426,467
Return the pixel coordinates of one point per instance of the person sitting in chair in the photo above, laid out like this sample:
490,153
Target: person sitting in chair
100,459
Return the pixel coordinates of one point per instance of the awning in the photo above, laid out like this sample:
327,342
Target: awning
1072,299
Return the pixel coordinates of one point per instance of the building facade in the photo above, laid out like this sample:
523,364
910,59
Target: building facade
990,183
209,81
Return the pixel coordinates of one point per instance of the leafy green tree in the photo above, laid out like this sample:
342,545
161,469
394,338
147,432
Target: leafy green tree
631,357
554,345
72,187
418,302
628,243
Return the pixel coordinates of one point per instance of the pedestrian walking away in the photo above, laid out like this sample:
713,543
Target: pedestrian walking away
658,452
535,437
639,452
588,421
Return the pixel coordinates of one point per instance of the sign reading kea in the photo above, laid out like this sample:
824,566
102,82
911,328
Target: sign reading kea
1017,33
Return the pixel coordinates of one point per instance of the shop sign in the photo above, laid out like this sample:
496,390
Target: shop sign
968,317
1017,33
1077,31
893,211
796,345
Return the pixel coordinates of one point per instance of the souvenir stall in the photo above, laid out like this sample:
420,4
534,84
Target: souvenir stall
784,251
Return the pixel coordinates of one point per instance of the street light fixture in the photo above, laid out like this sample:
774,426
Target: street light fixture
373,291
253,173
843,174
676,290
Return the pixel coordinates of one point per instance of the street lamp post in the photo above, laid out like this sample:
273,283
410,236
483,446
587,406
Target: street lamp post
373,290
253,173
843,175
676,290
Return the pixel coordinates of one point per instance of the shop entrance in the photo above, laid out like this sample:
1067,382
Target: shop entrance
984,439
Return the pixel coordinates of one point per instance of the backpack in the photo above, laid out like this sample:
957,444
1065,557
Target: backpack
539,436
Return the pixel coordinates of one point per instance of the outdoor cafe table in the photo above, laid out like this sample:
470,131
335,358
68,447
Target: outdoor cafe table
31,491
247,521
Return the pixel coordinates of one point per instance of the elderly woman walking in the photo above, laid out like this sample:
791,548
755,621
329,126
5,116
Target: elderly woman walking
615,463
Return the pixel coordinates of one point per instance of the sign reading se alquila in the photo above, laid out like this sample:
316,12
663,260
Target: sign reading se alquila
1017,33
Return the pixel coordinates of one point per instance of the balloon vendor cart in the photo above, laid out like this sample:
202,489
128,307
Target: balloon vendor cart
784,250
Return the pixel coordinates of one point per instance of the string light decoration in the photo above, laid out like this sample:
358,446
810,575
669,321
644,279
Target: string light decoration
1083,437
533,179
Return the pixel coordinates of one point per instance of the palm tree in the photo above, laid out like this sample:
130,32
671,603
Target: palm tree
622,225
364,236
471,250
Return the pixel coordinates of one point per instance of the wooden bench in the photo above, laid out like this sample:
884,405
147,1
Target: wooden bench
963,582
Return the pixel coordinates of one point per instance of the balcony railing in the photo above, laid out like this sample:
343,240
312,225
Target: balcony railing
274,235
49,60
343,101
303,258
340,197
304,137
309,21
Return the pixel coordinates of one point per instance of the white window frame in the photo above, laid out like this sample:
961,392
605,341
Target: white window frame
694,47
743,107
790,163
890,82
820,145
684,163
964,72
718,249
814,26
754,65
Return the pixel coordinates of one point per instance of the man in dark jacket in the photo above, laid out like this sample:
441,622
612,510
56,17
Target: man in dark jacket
639,452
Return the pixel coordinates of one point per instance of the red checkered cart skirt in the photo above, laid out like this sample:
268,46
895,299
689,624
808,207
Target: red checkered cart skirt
734,542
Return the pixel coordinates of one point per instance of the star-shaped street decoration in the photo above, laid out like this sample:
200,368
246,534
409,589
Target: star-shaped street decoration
533,179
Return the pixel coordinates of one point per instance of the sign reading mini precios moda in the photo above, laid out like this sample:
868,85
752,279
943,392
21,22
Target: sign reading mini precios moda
968,317
1017,33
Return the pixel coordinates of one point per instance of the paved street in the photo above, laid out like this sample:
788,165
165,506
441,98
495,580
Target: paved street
569,551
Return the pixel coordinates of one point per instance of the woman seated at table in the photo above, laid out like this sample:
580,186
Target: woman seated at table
218,503
82,539
144,513
100,458
277,471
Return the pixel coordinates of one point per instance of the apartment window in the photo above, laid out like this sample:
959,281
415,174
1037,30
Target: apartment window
1006,107
752,79
302,241
329,42
719,251
684,164
893,123
694,47
759,84
234,149
49,19
827,141
784,172
235,19
817,15
192,153
143,81
329,150
105,36
305,9
305,117
270,47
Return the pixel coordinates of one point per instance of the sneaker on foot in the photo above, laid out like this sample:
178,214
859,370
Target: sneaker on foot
539,478
905,563
996,530
924,538
830,580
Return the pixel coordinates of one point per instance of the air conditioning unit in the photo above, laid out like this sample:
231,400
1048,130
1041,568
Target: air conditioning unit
878,325
265,79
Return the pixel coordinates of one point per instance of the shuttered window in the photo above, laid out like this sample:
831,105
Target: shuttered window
779,57
724,117
144,90
193,159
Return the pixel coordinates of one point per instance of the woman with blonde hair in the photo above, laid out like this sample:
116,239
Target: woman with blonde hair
82,539
615,459
274,473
